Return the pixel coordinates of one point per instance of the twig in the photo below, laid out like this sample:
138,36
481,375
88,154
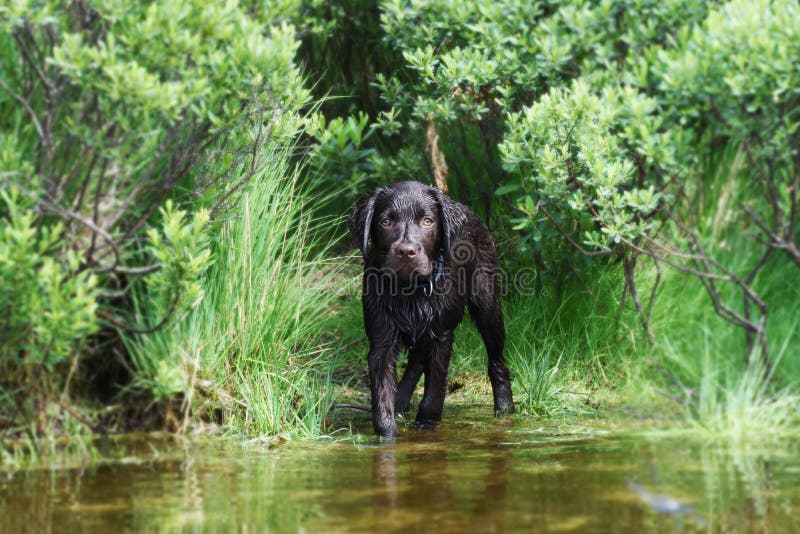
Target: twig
134,330
579,248
94,427
353,407
29,110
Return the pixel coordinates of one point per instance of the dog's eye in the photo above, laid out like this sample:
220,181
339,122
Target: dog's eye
386,222
427,221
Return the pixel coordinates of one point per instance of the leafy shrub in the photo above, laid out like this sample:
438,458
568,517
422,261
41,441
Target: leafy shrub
596,164
470,65
338,154
616,169
735,78
47,310
108,110
597,123
48,305
181,248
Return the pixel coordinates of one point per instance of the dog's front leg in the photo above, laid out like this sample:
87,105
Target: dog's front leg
436,366
382,360
411,376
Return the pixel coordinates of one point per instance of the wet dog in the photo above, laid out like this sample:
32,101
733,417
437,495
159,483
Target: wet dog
426,259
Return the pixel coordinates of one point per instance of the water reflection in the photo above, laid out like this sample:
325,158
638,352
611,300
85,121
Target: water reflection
470,475
419,486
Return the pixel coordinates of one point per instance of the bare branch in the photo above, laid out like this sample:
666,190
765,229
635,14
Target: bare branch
654,289
29,110
135,330
629,264
789,233
775,239
32,63
579,248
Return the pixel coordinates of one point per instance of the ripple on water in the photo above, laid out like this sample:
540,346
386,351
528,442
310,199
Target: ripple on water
472,473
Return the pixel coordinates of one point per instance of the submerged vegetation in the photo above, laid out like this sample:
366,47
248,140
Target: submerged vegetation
173,179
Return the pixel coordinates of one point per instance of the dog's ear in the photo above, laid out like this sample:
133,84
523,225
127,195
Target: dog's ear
452,218
360,221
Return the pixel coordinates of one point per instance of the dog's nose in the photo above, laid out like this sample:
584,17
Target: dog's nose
409,250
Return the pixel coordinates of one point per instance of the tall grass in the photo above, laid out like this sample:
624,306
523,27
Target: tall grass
566,347
699,362
699,359
252,354
731,400
576,344
248,356
537,379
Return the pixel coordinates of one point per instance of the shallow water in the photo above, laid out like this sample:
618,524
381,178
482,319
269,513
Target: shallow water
471,474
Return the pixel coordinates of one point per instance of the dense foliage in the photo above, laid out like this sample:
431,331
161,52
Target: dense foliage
614,163
636,147
607,133
109,111
596,122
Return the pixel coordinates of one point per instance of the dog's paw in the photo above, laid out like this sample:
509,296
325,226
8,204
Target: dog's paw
402,406
504,410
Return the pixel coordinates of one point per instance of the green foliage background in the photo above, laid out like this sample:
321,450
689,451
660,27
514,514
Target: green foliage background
640,157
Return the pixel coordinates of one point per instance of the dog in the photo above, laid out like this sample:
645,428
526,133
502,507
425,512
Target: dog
426,259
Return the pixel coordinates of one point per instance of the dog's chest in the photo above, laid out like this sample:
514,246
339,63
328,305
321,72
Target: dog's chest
414,315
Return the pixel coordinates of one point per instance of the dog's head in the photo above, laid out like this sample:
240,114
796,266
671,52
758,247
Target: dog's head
405,226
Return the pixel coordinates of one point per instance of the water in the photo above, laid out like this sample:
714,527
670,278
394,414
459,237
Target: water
472,474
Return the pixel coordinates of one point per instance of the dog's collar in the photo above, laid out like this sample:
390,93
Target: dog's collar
427,284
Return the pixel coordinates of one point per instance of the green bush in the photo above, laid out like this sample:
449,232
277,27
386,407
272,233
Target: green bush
735,79
468,66
600,127
48,305
108,111
619,168
595,163
619,129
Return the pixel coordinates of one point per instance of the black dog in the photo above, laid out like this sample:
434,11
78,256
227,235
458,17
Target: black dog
426,257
